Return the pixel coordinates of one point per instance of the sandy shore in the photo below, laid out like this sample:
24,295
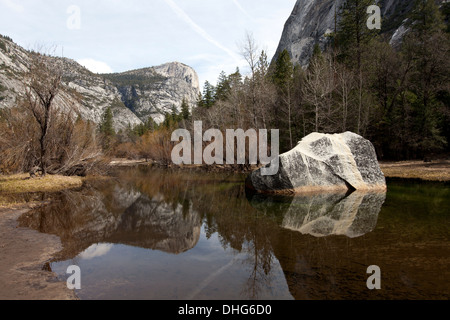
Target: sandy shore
23,253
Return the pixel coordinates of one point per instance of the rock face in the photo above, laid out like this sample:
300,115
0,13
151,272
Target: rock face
133,96
152,92
309,23
323,162
312,20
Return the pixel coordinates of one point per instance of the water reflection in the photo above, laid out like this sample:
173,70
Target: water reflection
196,235
325,214
108,212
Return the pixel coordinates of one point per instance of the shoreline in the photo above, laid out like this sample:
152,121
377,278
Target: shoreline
23,254
435,171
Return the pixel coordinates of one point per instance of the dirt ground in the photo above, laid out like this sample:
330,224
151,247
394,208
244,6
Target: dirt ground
438,170
23,253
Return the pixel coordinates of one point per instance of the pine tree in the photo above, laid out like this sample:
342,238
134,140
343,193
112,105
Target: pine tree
208,95
284,70
107,129
353,33
223,87
282,77
185,112
427,47
426,18
107,125
235,79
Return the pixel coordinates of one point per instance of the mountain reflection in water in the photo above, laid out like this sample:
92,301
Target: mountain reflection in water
199,235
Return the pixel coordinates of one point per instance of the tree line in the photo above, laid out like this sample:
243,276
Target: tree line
397,97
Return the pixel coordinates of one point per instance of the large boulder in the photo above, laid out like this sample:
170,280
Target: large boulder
324,162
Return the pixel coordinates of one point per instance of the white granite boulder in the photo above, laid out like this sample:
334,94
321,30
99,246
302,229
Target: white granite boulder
324,162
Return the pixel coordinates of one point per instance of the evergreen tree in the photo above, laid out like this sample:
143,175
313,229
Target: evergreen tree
107,125
235,78
185,112
262,67
283,72
353,33
425,18
208,95
107,129
200,100
223,87
427,47
317,52
282,77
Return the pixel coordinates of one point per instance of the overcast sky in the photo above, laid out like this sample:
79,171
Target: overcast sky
119,35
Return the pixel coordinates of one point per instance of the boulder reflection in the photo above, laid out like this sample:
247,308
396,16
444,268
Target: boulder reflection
325,214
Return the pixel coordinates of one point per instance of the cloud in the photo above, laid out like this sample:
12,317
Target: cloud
184,16
95,251
95,66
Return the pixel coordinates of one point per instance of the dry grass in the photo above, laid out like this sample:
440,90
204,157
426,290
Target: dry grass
434,171
14,186
22,183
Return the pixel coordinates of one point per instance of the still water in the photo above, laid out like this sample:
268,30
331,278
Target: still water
153,234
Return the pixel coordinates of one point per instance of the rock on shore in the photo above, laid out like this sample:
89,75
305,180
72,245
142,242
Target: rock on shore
324,162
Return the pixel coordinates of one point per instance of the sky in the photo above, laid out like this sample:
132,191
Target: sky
117,35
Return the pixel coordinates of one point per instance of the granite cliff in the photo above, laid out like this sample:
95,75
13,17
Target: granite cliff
133,96
312,20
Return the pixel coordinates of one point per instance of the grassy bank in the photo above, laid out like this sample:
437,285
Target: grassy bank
22,184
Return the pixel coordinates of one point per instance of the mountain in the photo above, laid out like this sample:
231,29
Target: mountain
308,24
151,92
133,96
312,20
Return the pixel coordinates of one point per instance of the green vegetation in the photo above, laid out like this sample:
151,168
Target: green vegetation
106,129
6,38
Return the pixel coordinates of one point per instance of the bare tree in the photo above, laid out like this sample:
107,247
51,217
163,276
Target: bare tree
45,133
249,50
42,87
345,85
317,91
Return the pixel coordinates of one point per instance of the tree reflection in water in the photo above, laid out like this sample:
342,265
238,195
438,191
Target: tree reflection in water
165,211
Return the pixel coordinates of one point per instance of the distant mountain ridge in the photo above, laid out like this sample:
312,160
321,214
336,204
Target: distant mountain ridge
133,96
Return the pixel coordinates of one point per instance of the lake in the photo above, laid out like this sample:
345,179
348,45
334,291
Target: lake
159,234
